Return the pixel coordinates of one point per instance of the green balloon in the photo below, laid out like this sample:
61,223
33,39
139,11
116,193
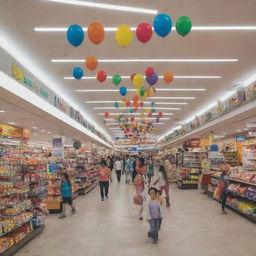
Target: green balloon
183,25
116,79
142,91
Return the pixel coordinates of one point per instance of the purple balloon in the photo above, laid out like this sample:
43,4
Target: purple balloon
152,79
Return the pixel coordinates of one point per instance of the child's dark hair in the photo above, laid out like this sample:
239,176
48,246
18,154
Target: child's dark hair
104,163
66,176
153,189
162,170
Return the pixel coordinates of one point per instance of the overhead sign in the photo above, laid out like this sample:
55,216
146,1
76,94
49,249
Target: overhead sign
240,139
58,148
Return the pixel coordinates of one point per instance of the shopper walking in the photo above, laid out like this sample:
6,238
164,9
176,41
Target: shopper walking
224,192
104,177
154,214
66,192
139,184
110,166
150,170
140,168
118,167
163,184
134,164
128,170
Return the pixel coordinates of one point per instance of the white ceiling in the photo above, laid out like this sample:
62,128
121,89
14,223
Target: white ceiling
18,19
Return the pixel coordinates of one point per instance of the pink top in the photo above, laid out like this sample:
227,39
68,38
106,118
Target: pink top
140,169
104,174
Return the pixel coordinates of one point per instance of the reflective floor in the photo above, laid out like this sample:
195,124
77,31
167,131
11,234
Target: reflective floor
193,226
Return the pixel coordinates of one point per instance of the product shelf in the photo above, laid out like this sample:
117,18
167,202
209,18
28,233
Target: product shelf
241,181
16,247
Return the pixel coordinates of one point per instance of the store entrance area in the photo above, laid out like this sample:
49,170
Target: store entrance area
193,226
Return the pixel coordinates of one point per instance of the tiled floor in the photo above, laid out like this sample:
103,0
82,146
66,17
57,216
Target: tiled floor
193,226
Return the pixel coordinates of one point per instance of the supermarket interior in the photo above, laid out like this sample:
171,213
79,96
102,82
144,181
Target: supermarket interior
154,101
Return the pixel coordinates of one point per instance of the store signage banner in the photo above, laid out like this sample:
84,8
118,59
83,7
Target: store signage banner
192,143
58,149
7,131
240,139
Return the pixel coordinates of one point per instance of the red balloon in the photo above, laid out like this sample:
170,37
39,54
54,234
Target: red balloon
144,32
132,76
149,114
135,97
160,114
135,109
101,76
141,104
136,104
132,118
149,71
106,114
128,103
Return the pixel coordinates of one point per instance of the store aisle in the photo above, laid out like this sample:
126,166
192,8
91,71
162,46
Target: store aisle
193,226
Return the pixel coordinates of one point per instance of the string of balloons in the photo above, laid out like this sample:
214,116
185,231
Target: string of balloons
162,25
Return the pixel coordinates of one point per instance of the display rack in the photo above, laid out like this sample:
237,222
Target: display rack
188,178
231,158
193,159
249,157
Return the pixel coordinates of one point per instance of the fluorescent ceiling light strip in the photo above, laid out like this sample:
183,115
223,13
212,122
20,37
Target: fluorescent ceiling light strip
145,102
11,47
113,29
128,77
134,90
140,108
146,60
106,6
172,98
133,114
14,87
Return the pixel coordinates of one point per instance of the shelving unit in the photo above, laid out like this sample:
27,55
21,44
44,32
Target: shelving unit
193,159
188,178
231,157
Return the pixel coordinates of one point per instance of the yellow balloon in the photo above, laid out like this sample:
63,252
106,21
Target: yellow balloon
123,35
123,103
142,115
138,80
148,110
144,96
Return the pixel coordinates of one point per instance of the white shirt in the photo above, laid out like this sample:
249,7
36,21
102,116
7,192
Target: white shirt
162,181
118,165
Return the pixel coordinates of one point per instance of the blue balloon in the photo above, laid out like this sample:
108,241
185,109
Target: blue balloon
116,104
123,90
162,24
78,73
75,35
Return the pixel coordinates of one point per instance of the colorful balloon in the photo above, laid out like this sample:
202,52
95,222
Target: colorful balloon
160,114
136,104
128,103
131,110
153,110
149,71
132,76
152,80
106,114
116,104
144,32
123,35
101,76
91,63
132,119
168,77
149,114
162,24
142,91
138,80
75,35
78,73
141,104
147,110
123,90
116,79
183,25
152,104
135,97
96,32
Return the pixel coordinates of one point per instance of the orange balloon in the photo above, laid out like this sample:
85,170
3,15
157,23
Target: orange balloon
96,32
136,104
168,77
91,63
135,97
